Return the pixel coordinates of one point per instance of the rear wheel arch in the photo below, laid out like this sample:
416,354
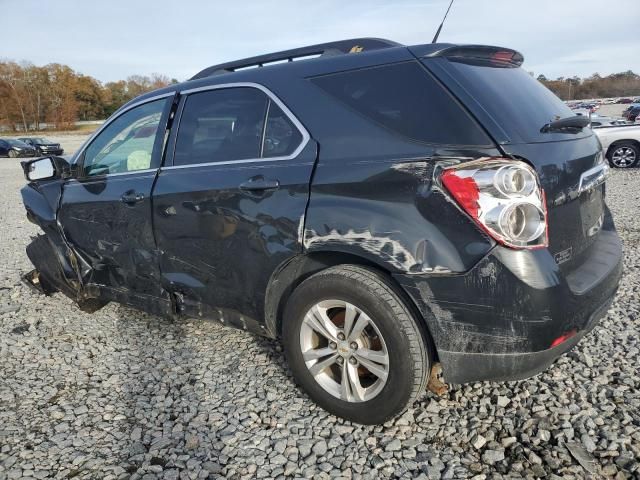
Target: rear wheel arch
290,275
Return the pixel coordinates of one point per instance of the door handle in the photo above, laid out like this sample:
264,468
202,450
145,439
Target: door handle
131,197
259,184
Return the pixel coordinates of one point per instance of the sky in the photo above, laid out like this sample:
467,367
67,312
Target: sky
112,39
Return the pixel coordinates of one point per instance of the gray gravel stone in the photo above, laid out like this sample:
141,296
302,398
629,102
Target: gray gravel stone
393,446
120,394
492,456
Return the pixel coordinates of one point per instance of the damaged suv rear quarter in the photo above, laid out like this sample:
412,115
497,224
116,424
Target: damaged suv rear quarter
378,211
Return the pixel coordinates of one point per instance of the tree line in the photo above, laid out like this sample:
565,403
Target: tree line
624,84
58,96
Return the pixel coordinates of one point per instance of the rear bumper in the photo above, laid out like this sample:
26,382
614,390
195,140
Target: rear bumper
466,367
499,320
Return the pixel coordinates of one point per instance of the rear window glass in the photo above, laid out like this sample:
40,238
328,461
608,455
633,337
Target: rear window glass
514,98
405,99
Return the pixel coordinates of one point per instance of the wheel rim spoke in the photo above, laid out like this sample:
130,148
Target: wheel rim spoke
350,314
376,356
317,353
351,388
319,366
361,323
378,370
320,322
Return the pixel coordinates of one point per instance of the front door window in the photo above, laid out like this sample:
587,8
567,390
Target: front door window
126,144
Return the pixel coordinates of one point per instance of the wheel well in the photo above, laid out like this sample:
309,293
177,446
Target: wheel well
636,143
304,266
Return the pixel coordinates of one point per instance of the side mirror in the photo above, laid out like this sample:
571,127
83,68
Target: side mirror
40,169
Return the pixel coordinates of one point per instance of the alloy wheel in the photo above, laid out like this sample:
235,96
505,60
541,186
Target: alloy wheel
623,157
344,351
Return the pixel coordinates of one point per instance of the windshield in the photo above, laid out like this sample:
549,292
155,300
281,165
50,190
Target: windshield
42,140
17,143
520,103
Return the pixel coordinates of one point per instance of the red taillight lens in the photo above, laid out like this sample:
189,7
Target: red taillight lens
504,197
563,338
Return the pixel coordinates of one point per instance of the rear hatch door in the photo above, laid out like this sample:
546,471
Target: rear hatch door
515,108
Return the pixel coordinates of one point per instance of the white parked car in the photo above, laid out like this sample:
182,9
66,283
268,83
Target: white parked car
620,144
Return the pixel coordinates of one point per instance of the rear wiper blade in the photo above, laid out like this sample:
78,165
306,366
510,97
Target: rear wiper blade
575,123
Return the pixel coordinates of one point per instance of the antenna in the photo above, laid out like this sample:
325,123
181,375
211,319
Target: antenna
435,38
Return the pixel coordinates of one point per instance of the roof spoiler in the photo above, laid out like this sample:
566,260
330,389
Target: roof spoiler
354,45
481,53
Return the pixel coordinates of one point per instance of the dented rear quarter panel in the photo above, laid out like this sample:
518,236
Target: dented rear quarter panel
373,195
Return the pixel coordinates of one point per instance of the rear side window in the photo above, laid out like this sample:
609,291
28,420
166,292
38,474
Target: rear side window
224,125
281,137
407,100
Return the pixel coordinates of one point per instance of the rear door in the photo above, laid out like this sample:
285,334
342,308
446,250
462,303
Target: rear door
105,212
514,107
229,207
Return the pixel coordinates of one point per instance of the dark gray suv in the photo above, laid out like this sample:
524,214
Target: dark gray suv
377,207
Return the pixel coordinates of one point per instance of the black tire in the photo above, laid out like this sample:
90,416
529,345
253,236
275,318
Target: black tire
407,344
623,154
12,154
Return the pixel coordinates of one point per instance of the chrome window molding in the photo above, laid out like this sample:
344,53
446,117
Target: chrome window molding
303,131
98,178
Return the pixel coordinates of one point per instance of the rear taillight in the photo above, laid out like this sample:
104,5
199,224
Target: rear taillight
504,197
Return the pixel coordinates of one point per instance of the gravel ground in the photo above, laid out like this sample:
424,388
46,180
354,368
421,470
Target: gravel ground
121,394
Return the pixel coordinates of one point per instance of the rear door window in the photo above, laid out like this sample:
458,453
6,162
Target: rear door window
407,100
228,124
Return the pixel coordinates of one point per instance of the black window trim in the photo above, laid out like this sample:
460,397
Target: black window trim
271,97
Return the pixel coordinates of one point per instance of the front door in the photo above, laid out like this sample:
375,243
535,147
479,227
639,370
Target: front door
105,212
228,211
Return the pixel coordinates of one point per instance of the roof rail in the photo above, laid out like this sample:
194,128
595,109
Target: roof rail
353,45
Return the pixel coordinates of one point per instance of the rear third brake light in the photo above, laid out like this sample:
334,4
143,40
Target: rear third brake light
502,56
503,197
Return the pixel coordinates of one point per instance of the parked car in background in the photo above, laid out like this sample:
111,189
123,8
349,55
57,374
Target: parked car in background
10,147
632,112
43,145
320,201
621,145
625,100
601,121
